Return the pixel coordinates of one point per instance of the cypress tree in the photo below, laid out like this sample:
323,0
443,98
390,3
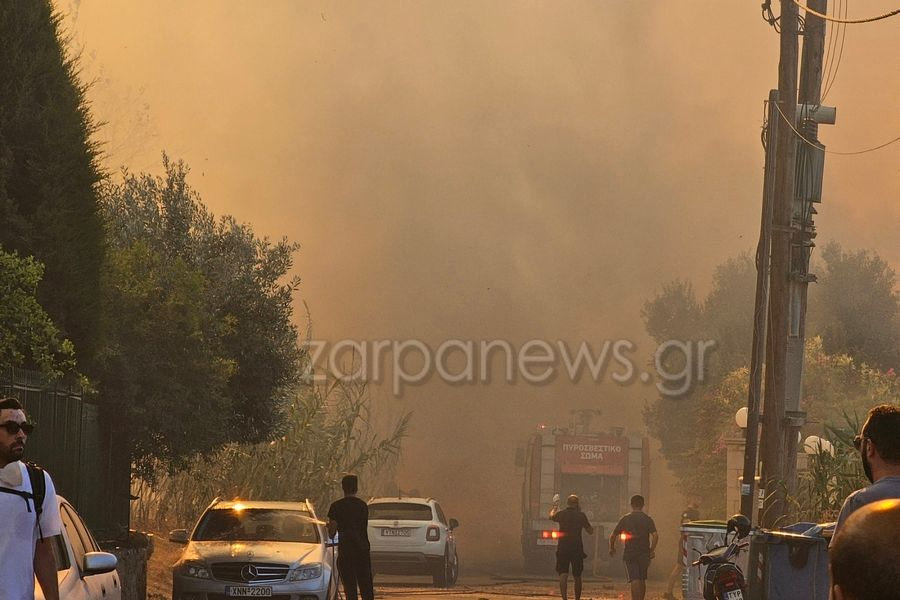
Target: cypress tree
49,170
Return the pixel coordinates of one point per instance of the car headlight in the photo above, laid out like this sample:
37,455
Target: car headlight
193,569
306,572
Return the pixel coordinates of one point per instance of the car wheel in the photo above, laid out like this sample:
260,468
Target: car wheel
441,574
454,570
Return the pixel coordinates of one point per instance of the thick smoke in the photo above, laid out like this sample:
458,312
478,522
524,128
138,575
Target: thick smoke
503,170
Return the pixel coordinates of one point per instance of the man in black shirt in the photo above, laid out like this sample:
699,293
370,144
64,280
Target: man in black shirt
349,517
638,532
569,549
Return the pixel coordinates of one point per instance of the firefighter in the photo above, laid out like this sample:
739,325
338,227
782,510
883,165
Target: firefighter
570,550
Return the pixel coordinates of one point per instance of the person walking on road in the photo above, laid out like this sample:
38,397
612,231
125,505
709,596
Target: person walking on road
638,532
26,549
879,447
349,517
569,549
691,513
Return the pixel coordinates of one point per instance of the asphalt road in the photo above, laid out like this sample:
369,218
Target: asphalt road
499,585
502,587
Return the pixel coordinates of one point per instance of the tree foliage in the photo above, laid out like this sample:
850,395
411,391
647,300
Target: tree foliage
676,313
856,308
852,327
201,349
28,337
835,386
49,171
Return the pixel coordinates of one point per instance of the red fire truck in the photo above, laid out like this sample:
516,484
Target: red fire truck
603,468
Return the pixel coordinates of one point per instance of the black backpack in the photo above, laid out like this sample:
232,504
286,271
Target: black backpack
37,495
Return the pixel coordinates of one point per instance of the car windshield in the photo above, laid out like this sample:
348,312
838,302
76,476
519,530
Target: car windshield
400,511
257,525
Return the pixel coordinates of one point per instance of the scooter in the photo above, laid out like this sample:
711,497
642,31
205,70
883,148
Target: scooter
723,579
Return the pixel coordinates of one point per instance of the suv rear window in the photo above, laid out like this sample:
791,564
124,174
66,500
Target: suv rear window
257,525
400,511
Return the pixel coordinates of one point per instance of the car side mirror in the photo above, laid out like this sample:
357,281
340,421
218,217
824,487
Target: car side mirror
453,524
98,562
179,536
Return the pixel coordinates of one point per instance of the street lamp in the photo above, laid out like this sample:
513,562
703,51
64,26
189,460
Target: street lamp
740,417
817,445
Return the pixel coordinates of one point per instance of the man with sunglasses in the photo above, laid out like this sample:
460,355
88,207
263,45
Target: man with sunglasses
879,448
23,556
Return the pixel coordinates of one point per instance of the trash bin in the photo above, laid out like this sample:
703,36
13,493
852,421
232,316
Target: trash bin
699,537
790,563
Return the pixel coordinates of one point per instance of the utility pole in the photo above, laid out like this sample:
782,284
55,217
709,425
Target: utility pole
760,312
773,438
810,165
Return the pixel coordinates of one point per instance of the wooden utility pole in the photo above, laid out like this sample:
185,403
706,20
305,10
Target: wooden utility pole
773,438
808,190
760,313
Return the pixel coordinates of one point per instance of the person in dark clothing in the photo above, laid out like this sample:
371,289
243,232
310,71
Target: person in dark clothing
638,532
569,549
349,517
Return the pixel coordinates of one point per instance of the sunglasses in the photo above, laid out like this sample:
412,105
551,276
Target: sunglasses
857,442
12,428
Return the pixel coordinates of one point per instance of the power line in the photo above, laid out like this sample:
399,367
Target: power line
769,16
836,31
818,147
840,55
848,21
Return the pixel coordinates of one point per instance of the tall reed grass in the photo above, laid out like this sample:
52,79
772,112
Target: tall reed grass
327,433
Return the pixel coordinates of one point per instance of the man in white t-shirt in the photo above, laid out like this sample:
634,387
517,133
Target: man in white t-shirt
26,549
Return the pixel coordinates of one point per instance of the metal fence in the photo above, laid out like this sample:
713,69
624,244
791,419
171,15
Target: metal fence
71,443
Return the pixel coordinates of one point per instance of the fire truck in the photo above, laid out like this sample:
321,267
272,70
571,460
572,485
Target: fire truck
604,469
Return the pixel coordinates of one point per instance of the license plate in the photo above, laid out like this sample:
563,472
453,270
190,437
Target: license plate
543,542
734,595
248,591
387,532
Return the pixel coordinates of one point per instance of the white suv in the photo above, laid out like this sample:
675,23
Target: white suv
411,536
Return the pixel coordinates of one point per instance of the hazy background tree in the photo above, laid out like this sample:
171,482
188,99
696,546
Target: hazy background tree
677,313
854,312
49,172
856,307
